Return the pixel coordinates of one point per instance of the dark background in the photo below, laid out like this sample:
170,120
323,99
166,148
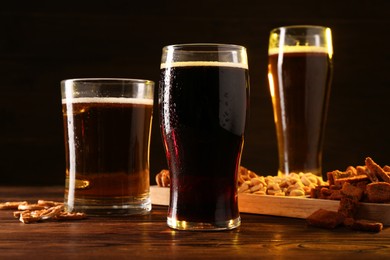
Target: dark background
43,42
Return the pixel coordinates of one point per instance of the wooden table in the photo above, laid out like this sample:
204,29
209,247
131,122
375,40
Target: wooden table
148,237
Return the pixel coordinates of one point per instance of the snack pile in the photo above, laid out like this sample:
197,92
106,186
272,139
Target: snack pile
368,183
371,179
295,184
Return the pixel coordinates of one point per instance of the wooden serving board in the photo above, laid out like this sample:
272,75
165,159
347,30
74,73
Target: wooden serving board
295,207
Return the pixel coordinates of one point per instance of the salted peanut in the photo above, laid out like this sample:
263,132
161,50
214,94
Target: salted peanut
255,181
243,187
298,185
285,183
270,192
275,192
293,180
275,186
256,187
261,192
305,181
297,192
12,204
270,179
312,179
295,175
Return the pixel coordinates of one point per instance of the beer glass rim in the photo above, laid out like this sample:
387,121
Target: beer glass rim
107,87
202,47
295,38
204,54
108,80
302,26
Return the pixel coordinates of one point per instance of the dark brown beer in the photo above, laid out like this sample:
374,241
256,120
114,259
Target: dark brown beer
300,86
107,150
202,116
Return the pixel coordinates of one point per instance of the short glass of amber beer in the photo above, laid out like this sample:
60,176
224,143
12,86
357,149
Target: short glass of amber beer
107,126
299,76
203,100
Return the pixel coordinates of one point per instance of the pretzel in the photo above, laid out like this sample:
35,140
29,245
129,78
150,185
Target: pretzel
42,210
12,205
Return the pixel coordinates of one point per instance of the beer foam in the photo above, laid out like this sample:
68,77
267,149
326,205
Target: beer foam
203,64
298,49
118,100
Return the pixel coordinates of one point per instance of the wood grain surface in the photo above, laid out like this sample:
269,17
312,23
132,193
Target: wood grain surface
148,237
296,207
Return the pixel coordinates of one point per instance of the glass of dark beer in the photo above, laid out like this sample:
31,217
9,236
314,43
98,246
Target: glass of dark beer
107,126
203,101
299,76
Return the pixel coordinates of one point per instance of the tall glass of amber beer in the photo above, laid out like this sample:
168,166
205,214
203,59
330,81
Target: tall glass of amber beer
299,76
203,101
107,125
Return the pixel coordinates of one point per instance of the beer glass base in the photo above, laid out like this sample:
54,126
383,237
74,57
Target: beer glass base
203,226
110,208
